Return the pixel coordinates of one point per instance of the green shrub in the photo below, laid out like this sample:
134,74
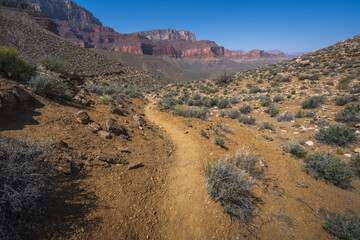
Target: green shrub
133,93
273,111
299,114
336,134
344,226
296,149
47,85
234,114
105,99
223,103
190,112
355,164
245,109
203,133
219,141
56,65
312,102
254,89
210,102
329,168
341,101
12,65
170,103
225,183
224,79
22,185
349,114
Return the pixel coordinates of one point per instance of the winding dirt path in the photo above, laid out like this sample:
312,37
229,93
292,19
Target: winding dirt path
189,212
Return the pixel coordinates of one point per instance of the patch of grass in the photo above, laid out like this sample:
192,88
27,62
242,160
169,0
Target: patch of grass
105,99
312,102
336,134
343,225
329,168
22,185
299,114
296,149
47,85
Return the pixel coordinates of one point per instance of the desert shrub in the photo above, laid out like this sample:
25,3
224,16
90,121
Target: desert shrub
225,183
286,79
273,111
299,114
312,102
224,79
336,134
310,114
296,149
22,185
223,103
245,109
329,168
248,162
265,101
103,89
56,65
285,117
355,88
278,98
355,164
234,114
349,114
210,102
341,101
12,65
105,99
133,93
254,89
267,125
47,85
203,133
248,120
219,141
170,103
191,112
344,226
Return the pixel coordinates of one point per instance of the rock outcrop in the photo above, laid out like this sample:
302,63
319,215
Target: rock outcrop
253,55
166,35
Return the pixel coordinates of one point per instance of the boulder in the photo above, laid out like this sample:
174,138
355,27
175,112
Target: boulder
104,134
118,110
94,127
112,126
82,117
139,121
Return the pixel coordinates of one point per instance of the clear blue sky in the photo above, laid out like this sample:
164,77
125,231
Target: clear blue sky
290,26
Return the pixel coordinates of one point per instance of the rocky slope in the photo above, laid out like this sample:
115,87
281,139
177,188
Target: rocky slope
253,55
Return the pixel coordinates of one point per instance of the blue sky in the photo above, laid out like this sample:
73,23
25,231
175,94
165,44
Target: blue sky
290,26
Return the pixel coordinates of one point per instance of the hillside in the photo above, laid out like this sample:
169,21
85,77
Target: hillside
298,122
19,28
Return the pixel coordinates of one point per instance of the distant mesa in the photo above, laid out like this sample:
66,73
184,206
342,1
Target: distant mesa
78,25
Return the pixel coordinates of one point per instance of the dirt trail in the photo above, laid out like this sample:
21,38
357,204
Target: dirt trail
190,213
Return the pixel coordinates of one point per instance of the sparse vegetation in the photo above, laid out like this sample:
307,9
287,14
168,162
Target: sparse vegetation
190,112
247,120
245,109
349,114
219,141
355,164
267,125
287,116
